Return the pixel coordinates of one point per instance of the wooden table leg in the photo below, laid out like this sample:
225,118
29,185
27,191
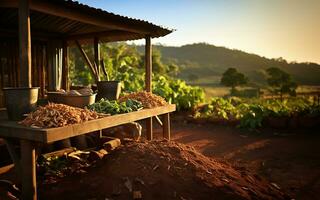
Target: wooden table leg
28,171
14,157
166,126
149,128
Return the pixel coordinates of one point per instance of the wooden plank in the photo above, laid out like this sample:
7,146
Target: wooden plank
105,35
13,129
148,64
166,126
28,161
24,44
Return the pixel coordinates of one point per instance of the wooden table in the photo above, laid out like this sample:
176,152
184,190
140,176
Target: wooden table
31,137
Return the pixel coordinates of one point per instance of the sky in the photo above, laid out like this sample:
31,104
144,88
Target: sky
272,28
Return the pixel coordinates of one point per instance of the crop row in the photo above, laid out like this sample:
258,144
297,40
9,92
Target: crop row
254,113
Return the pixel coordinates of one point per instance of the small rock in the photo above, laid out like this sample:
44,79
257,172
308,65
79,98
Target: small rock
225,180
245,188
139,181
112,144
276,186
137,195
155,167
95,155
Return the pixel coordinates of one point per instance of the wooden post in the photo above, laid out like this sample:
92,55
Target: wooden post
96,49
65,66
24,44
148,63
166,126
28,170
148,82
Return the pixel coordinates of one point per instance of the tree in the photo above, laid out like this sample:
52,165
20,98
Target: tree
232,78
281,82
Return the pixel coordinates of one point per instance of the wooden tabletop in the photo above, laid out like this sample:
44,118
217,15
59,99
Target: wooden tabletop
46,135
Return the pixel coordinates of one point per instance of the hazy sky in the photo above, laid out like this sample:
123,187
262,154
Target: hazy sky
271,28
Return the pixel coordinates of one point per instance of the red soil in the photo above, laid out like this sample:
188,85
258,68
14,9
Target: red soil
161,170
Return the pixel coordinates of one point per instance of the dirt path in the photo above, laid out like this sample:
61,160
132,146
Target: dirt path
291,159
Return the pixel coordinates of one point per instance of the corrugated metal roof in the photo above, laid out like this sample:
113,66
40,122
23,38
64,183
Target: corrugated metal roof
49,24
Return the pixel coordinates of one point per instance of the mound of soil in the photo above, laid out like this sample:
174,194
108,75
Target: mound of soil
160,170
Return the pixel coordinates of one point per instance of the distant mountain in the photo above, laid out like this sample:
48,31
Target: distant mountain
203,61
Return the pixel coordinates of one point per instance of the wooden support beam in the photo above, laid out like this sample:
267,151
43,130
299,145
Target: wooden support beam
166,126
148,81
86,58
148,64
28,161
149,128
65,66
96,50
24,44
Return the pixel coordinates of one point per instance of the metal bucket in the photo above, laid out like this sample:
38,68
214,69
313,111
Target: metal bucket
76,101
108,90
20,101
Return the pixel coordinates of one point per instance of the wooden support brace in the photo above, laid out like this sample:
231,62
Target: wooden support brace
159,120
86,58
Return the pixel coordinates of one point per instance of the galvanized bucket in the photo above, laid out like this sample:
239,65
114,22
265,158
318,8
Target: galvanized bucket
20,101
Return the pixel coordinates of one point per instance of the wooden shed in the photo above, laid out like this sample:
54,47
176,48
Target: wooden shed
34,39
35,35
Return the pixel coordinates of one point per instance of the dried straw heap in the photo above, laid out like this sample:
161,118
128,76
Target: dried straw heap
147,99
58,115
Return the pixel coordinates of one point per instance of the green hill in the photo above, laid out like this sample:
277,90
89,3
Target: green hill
205,63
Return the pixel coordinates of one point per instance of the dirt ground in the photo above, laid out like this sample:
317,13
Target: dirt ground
239,165
289,158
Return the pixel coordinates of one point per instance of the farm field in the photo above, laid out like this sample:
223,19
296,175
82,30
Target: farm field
288,159
214,90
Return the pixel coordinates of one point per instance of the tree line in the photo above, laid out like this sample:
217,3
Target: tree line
279,81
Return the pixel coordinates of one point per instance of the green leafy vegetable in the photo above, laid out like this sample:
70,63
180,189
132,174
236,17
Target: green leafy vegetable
114,107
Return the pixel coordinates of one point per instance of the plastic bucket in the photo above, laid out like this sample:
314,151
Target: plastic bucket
20,101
